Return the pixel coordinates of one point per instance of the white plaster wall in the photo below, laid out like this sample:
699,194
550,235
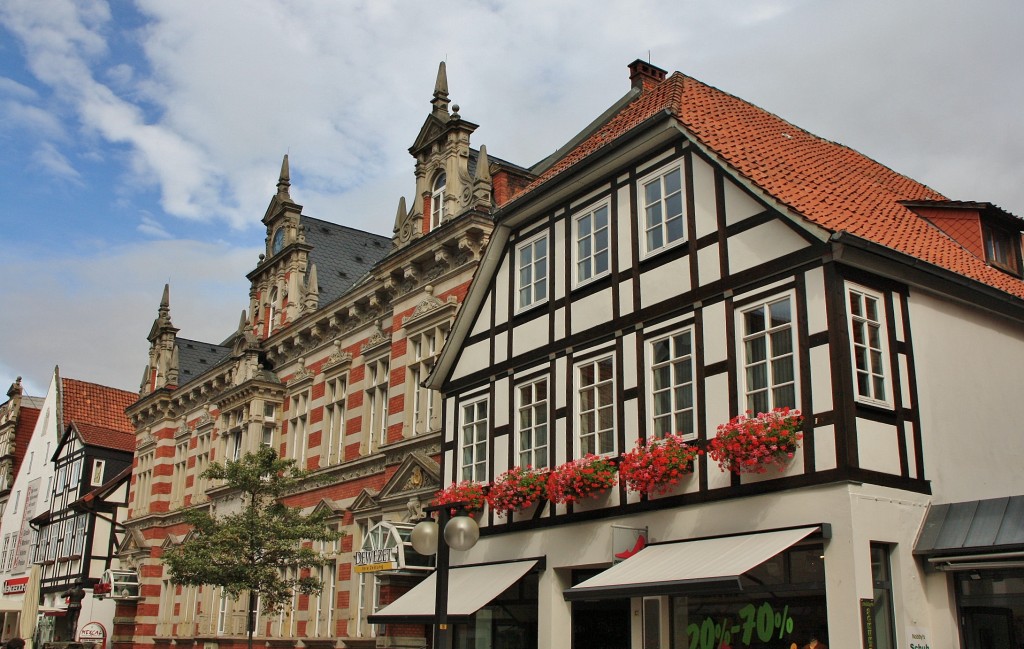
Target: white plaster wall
738,204
969,381
878,446
704,210
473,358
500,283
762,244
821,372
590,311
530,335
653,285
709,268
483,318
626,231
817,318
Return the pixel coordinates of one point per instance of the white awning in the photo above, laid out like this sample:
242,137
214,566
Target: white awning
8,604
470,588
687,566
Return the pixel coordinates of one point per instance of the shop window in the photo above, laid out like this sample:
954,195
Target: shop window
881,577
782,603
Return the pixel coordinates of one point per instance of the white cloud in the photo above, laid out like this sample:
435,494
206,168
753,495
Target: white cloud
48,158
16,116
91,314
14,89
150,227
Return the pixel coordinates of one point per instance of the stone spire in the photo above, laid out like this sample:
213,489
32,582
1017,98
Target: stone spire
172,367
483,165
162,347
311,291
482,180
243,322
440,100
284,180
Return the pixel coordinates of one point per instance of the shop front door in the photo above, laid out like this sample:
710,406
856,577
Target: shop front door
987,627
600,625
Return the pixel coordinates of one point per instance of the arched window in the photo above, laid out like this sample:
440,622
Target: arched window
437,211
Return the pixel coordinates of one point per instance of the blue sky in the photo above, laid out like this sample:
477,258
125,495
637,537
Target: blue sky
140,140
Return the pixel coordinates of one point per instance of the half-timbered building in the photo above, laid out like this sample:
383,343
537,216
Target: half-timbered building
689,258
326,366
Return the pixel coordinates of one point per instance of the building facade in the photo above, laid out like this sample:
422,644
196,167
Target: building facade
692,257
50,542
326,366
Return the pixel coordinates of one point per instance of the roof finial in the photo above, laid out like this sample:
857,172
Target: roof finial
165,301
284,181
483,165
400,215
440,100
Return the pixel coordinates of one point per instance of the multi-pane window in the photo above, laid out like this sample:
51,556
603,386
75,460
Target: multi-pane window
4,557
334,420
532,271
532,428
437,207
866,336
178,473
1002,248
298,426
78,540
596,406
203,444
769,365
672,385
144,481
222,613
377,378
591,244
662,204
425,402
473,446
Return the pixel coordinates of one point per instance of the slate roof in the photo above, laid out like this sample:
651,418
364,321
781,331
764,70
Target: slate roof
96,405
102,437
826,183
196,358
342,255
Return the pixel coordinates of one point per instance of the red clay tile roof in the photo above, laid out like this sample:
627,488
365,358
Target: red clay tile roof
827,183
98,405
93,435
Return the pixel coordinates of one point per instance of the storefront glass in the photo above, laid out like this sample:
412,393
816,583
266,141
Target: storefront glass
508,622
783,602
992,608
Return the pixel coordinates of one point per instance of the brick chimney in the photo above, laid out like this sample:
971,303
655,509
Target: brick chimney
645,76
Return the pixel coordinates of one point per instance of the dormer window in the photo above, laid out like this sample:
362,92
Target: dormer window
1002,248
437,210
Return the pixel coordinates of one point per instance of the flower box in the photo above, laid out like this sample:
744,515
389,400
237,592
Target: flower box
657,465
470,494
517,489
752,444
586,477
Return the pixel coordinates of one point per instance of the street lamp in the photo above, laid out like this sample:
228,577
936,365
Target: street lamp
460,533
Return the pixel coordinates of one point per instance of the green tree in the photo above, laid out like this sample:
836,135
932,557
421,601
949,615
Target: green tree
254,548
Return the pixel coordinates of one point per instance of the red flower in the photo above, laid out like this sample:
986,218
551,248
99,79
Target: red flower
751,444
582,478
468,492
656,465
517,489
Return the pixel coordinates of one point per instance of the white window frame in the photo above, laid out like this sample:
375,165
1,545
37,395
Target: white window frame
298,426
659,175
652,390
96,477
883,350
378,380
534,282
579,389
335,400
742,337
591,238
423,346
528,451
476,470
437,206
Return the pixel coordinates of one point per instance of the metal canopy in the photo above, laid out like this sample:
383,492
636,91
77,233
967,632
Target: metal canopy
470,588
974,534
687,566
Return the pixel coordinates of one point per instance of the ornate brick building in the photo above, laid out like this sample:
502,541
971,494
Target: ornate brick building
326,366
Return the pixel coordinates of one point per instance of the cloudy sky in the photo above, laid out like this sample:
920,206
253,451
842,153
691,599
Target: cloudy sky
140,141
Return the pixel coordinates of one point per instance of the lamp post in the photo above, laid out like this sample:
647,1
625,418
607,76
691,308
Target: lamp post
460,532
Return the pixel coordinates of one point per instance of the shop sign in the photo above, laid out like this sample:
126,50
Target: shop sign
627,541
754,625
867,622
92,631
15,586
376,560
918,638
